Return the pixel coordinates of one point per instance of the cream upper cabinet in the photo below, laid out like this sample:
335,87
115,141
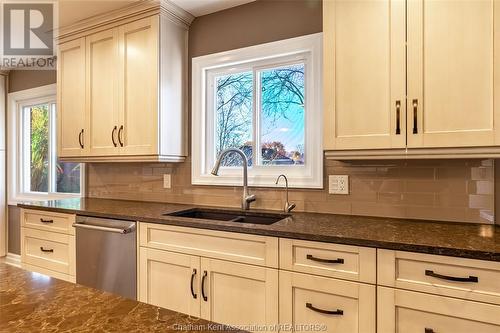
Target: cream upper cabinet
239,294
135,85
102,93
138,131
411,79
453,69
72,137
364,74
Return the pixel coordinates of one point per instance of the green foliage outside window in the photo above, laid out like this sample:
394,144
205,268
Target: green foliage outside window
39,148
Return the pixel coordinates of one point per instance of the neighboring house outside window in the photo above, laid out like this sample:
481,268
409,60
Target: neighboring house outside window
35,173
266,101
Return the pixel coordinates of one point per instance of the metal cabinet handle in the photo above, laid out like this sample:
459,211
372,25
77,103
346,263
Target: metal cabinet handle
120,134
46,250
205,298
80,139
415,112
192,281
398,117
429,330
451,278
337,312
46,221
113,136
326,261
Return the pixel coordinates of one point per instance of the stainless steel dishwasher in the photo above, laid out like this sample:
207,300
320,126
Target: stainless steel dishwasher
106,256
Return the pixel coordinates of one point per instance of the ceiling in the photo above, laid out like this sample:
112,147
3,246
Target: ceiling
203,7
71,11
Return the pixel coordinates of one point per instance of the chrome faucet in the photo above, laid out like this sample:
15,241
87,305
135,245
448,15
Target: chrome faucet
288,206
247,198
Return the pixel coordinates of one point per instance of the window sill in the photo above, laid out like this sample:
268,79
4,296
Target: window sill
258,181
21,198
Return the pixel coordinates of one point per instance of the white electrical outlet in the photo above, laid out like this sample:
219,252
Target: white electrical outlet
167,181
338,184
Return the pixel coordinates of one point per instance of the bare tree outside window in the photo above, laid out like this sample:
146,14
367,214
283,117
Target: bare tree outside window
282,120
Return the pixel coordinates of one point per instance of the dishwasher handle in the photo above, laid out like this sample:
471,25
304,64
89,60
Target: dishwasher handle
127,230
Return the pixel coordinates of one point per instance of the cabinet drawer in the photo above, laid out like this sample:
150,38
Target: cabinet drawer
48,250
401,311
48,221
333,260
325,304
457,277
250,249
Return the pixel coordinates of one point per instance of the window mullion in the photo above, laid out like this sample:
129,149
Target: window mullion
256,118
52,156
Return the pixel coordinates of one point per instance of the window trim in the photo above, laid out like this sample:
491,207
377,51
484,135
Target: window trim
307,49
15,139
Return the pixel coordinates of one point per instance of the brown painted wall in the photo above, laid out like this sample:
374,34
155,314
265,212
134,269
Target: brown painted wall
457,190
14,236
21,80
254,23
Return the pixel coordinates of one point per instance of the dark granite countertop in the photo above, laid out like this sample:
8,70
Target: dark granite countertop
453,239
32,302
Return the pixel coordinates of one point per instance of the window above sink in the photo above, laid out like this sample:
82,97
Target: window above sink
266,101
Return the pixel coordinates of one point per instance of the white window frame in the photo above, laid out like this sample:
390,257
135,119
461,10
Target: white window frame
17,136
305,49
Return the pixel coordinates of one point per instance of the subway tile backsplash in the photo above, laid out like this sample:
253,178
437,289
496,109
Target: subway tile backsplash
451,190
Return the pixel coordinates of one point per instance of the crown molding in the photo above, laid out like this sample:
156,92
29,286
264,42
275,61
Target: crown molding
137,10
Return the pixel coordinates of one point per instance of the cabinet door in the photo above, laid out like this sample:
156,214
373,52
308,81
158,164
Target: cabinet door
102,93
334,305
239,294
401,311
453,73
71,98
169,280
364,74
139,77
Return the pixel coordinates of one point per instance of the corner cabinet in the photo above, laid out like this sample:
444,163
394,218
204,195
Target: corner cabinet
122,83
411,79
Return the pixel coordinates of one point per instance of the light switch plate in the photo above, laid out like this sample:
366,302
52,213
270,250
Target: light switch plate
167,181
338,184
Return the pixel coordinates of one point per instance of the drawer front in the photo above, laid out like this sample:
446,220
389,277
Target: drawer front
249,249
48,221
456,277
48,250
325,304
401,311
332,260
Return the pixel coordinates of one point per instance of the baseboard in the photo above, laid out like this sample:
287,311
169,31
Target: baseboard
13,259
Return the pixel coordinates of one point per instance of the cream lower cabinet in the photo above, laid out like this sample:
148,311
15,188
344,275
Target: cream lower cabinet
183,269
48,244
314,303
239,294
436,294
401,311
169,280
217,290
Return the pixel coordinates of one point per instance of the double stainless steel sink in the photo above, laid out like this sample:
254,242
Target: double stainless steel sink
230,216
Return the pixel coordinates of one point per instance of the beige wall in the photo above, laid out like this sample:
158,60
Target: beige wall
21,80
454,190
